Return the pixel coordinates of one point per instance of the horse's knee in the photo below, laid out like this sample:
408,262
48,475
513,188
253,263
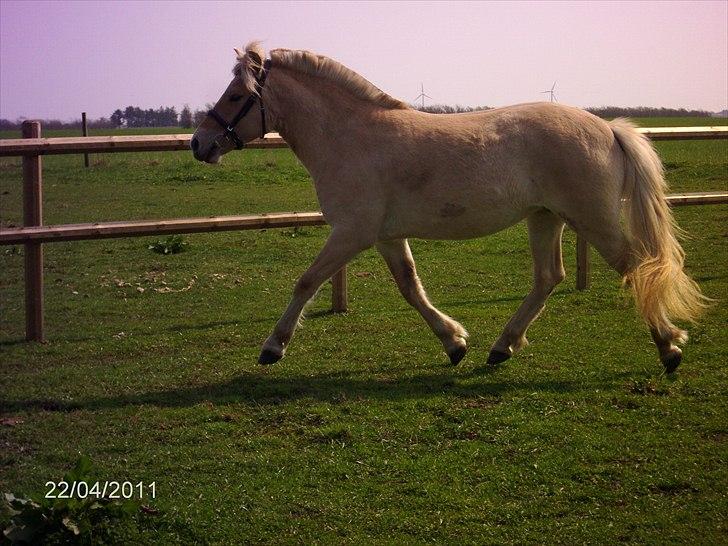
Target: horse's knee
304,285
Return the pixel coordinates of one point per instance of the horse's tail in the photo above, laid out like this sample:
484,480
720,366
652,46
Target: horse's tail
662,289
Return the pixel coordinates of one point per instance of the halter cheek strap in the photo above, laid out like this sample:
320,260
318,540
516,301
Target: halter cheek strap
229,128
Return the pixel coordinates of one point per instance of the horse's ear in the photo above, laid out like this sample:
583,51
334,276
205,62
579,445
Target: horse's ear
249,64
256,62
255,54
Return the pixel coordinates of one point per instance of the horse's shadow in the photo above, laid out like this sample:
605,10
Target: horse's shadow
258,388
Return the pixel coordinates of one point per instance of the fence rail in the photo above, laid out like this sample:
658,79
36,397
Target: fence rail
113,144
108,230
33,234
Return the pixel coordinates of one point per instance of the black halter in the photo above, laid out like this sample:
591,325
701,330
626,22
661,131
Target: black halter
230,133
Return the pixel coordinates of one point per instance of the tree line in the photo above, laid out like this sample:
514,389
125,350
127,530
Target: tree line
131,116
601,111
167,116
647,112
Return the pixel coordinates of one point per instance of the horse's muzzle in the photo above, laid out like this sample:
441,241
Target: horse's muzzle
209,155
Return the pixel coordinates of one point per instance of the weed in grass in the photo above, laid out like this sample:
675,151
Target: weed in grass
649,386
171,245
61,518
295,231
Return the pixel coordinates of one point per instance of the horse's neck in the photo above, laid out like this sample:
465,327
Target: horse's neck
307,116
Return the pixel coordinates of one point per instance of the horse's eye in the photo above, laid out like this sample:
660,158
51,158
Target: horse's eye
235,98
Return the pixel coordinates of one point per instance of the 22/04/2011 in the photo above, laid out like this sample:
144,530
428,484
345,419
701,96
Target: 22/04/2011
106,489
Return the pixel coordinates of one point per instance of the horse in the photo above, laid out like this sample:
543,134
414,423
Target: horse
385,172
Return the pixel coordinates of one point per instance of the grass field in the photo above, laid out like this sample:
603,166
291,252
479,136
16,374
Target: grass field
362,433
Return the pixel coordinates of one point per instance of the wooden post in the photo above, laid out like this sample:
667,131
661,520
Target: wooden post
339,300
33,216
582,263
84,125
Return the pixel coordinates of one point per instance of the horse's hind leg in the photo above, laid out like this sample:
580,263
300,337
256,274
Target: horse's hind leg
611,242
399,259
544,234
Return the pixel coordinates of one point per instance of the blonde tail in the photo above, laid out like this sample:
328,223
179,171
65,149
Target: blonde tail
662,290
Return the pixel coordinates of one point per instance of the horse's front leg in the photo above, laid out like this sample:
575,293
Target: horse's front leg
399,259
341,246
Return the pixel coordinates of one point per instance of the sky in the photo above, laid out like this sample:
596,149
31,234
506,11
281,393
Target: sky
60,58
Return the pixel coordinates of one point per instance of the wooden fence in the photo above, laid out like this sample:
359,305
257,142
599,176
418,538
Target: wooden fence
33,233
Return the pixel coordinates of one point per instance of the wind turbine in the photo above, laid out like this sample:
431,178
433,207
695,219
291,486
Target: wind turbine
422,96
551,92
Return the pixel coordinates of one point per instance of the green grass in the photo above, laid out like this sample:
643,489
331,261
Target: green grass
362,433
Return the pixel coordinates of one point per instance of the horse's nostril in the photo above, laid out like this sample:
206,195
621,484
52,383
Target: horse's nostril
195,144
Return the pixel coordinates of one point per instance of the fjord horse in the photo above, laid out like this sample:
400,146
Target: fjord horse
384,172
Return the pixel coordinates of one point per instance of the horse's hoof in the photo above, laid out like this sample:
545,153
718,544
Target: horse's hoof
496,357
457,354
269,357
672,361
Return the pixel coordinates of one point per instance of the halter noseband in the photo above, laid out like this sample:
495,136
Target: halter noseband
229,128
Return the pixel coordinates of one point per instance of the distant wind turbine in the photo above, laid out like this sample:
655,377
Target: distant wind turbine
551,92
422,96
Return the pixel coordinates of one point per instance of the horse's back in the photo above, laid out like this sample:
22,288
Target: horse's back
475,173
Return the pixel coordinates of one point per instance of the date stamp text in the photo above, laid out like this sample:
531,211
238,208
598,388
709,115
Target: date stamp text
103,489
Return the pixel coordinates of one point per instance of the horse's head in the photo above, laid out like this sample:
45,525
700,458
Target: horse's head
238,116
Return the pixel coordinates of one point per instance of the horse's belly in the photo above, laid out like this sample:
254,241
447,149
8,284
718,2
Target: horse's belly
449,221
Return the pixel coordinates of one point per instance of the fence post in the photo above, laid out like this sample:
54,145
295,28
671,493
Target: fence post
84,126
582,263
339,298
33,216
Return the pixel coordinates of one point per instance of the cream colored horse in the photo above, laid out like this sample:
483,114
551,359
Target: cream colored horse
384,172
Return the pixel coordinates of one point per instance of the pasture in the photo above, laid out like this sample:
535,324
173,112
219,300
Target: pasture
363,433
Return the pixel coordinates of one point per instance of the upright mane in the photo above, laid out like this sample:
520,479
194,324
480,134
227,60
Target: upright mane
329,69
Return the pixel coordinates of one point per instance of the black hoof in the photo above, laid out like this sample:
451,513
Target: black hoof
457,355
496,357
672,361
269,357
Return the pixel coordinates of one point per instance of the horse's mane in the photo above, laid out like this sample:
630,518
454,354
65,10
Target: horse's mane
322,67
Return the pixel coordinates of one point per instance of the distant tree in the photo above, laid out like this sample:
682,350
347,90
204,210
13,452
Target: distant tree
7,125
117,118
166,117
101,123
185,117
149,117
200,115
133,116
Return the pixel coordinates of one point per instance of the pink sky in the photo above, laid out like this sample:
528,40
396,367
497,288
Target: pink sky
60,58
